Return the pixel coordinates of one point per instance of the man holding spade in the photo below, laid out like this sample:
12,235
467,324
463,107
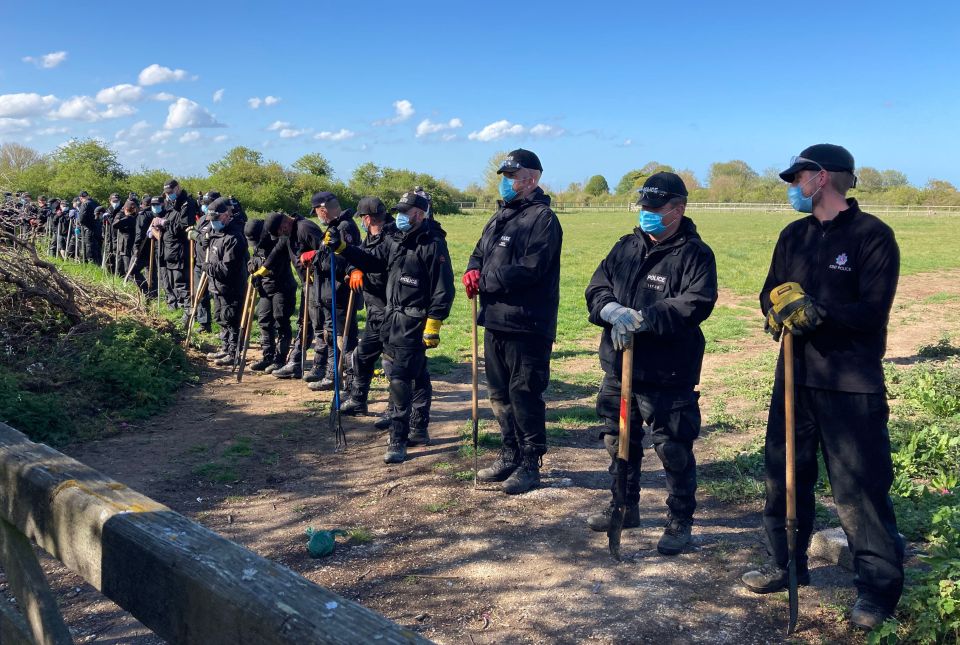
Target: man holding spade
831,285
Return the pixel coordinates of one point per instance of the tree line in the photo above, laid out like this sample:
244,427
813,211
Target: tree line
263,185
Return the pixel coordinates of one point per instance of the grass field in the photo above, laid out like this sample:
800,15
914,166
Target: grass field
742,241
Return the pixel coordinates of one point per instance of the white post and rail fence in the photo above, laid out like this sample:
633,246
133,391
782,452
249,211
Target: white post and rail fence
876,209
181,580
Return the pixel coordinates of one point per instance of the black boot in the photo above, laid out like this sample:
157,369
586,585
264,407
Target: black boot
226,359
262,364
290,370
525,477
676,535
867,615
396,451
601,521
771,578
206,328
502,468
384,422
353,407
418,437
314,374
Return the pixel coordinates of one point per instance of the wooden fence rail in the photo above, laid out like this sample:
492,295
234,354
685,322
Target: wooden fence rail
183,581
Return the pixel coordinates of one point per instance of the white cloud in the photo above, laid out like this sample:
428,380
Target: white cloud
220,137
218,96
123,93
290,133
184,113
278,125
428,127
543,131
503,128
48,131
341,135
497,130
20,105
193,135
14,125
266,101
84,108
403,110
155,74
138,128
160,136
164,96
47,61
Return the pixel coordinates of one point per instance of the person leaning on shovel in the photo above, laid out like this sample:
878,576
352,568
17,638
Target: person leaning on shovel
831,285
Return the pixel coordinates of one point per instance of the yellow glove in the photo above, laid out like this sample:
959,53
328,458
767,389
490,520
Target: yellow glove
794,309
332,240
431,333
261,272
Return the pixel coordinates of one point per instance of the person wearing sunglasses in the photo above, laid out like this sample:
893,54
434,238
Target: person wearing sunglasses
515,269
653,291
831,284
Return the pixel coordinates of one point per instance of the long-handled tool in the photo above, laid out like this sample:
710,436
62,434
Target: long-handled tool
336,425
192,262
474,390
791,480
244,322
306,319
201,290
151,269
623,454
346,333
136,260
245,337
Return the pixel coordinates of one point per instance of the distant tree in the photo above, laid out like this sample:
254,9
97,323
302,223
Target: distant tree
315,164
634,179
148,181
259,185
894,179
86,164
491,180
15,158
731,180
938,192
689,179
597,186
869,180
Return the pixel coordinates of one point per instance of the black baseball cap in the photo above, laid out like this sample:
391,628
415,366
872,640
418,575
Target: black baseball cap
84,193
112,195
253,230
272,222
372,206
171,185
155,201
660,188
217,206
411,199
145,201
518,159
321,198
822,156
210,196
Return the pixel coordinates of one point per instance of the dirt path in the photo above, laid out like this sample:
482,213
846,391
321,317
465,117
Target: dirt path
464,564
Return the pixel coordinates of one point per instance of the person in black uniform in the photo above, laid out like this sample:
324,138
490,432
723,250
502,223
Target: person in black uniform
227,267
110,253
831,284
653,290
515,268
197,230
180,212
90,229
141,244
124,227
419,293
298,236
270,267
331,215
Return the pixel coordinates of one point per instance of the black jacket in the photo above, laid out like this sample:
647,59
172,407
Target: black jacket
375,282
125,230
349,233
182,214
674,285
305,236
850,267
518,257
419,280
227,265
88,219
271,253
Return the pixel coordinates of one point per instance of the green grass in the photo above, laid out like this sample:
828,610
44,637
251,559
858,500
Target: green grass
359,535
440,507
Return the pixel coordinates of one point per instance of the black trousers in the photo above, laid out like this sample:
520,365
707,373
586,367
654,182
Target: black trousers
202,316
851,431
322,324
228,317
673,416
179,281
410,390
273,314
518,371
369,349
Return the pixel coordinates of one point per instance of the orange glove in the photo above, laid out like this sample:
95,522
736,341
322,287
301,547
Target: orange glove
356,280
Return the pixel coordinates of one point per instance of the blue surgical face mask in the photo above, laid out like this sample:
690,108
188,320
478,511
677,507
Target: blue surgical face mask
363,227
204,208
651,223
156,209
403,222
114,204
798,200
171,197
506,189
217,225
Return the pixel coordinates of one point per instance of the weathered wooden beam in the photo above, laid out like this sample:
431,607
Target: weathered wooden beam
13,628
29,586
183,581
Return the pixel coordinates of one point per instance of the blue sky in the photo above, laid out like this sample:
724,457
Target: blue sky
591,87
